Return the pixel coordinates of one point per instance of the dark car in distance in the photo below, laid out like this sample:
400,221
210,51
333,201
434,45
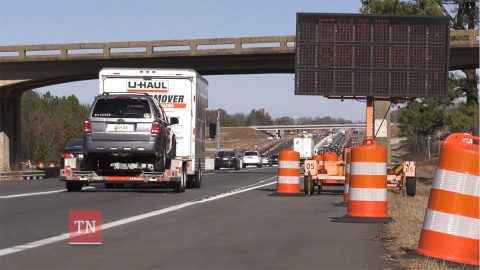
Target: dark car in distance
274,159
228,159
74,149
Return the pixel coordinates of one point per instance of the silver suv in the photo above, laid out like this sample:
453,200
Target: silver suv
128,128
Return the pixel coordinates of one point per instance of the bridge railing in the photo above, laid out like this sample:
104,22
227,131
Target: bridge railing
245,45
193,47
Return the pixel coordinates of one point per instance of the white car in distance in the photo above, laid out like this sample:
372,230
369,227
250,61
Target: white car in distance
252,158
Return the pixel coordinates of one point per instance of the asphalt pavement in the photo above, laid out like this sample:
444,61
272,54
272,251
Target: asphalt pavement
233,222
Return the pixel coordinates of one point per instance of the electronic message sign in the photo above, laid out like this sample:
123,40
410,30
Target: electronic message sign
360,55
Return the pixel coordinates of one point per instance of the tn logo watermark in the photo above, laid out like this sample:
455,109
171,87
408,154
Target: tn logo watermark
85,227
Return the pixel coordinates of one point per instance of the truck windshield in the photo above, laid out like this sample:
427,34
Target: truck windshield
122,108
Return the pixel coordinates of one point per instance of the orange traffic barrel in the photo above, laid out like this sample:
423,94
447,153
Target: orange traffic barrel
347,175
330,160
319,159
451,228
340,166
288,181
367,202
41,165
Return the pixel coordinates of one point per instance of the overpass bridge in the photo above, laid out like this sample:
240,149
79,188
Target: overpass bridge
276,128
27,67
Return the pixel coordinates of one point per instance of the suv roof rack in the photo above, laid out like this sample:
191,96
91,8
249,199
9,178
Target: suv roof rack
123,93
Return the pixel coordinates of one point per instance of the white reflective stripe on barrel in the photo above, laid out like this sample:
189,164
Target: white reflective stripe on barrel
452,224
289,164
368,168
346,188
457,182
368,194
288,179
347,169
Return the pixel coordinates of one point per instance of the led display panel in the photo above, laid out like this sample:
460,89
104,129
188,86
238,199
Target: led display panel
360,55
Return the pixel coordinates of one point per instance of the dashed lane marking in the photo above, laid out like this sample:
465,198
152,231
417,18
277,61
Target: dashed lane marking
38,193
113,224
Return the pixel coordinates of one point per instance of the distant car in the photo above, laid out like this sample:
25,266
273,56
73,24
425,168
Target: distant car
74,149
266,160
228,159
274,159
252,158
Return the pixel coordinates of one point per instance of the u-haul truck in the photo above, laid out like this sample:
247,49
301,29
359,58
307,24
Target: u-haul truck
183,93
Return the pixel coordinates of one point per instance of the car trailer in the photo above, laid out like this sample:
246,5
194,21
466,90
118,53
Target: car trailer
75,177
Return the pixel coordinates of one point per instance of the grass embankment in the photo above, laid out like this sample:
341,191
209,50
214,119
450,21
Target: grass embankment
401,237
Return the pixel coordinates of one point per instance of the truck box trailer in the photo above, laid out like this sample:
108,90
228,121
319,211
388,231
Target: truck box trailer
183,94
304,146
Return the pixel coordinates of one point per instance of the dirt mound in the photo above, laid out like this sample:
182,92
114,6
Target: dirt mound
238,138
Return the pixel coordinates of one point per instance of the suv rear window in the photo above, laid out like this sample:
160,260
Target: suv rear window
226,154
122,108
251,153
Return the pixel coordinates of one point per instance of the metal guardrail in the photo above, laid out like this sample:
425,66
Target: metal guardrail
23,175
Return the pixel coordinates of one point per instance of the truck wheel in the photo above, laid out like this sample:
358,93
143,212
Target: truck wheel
259,165
181,185
159,163
244,166
74,186
198,179
190,181
411,186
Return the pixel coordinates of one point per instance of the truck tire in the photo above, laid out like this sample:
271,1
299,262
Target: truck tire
74,186
198,179
181,185
159,163
411,186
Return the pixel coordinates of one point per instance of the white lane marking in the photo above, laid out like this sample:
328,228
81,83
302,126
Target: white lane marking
38,193
109,225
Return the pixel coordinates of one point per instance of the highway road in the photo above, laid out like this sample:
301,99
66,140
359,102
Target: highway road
232,222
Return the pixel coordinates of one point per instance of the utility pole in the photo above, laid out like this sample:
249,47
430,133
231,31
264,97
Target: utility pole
218,131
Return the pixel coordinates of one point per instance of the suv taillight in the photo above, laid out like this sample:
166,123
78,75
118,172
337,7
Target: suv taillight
67,155
156,128
87,127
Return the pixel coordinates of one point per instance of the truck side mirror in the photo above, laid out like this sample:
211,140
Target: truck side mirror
174,120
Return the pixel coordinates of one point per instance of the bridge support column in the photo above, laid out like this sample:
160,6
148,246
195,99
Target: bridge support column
382,130
9,129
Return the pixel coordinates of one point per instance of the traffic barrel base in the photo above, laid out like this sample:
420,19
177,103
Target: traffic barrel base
350,219
341,204
288,180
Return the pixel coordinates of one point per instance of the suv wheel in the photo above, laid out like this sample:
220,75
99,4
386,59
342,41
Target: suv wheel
159,163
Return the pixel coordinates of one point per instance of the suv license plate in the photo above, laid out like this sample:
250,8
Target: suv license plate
119,127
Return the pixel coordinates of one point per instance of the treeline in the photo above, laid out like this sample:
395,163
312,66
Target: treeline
262,118
48,124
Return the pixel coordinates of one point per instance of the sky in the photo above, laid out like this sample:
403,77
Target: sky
24,22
